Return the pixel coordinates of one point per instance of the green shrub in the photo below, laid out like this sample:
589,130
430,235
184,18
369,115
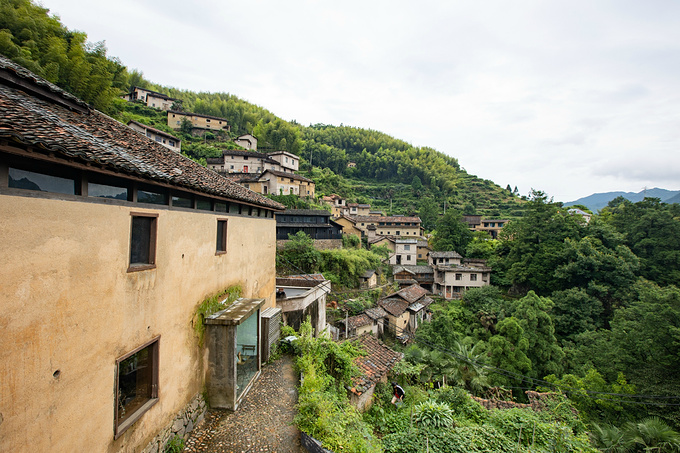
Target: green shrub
432,414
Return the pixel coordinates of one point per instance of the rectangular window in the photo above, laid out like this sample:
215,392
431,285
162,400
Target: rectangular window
203,204
220,207
182,202
136,386
152,197
408,257
406,247
143,241
459,276
106,191
29,180
473,277
221,237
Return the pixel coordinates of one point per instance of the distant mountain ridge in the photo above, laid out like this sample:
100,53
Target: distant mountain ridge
597,201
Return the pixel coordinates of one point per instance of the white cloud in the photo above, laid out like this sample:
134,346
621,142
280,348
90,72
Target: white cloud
569,97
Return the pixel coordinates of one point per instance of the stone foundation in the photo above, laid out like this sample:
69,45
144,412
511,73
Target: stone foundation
181,426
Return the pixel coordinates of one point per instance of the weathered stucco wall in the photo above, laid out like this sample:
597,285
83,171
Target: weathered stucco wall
70,309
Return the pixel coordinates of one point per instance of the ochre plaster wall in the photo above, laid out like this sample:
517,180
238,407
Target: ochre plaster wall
69,305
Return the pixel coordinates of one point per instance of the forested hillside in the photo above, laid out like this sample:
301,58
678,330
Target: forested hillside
390,174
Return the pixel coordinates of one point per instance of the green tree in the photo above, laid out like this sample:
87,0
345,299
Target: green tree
507,351
452,233
532,312
428,213
532,247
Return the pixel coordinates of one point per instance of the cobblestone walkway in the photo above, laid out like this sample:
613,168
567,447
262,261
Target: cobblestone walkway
263,421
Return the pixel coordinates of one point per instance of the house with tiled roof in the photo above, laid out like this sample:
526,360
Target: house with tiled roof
369,279
354,326
406,309
407,275
247,141
111,244
396,226
165,139
150,98
379,317
374,367
302,296
348,226
200,124
315,223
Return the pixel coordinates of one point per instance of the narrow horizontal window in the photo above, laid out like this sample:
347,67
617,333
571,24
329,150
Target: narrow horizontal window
203,204
30,180
182,202
107,191
148,196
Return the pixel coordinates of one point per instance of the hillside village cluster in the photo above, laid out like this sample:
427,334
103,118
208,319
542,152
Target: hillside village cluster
113,243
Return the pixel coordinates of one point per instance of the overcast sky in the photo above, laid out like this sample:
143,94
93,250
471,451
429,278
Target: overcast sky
569,97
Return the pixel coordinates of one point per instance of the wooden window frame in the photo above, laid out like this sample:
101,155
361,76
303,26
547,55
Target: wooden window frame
223,238
152,242
120,428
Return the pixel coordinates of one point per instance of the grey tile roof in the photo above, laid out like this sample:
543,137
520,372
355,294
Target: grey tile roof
87,136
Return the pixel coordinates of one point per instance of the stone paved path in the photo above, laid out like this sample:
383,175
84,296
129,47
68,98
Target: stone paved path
263,421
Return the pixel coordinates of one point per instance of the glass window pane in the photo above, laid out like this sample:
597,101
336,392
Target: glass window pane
203,204
140,244
247,348
221,236
234,208
145,196
135,376
220,207
106,191
29,180
181,202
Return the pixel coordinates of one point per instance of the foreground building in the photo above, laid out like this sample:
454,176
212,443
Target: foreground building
111,243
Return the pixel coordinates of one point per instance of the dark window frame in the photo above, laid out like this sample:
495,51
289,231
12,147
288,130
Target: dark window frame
221,243
153,235
120,428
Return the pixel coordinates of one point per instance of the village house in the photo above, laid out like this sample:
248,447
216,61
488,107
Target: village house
200,124
303,296
338,205
406,309
397,226
369,279
239,161
275,182
407,275
354,326
383,241
423,248
356,209
165,139
111,244
491,226
246,141
150,98
373,368
453,275
404,252
348,226
315,223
